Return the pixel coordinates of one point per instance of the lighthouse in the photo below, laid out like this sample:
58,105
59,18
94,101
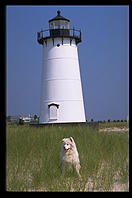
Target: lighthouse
61,99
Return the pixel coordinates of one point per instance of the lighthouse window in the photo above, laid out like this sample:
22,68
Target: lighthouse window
53,111
51,26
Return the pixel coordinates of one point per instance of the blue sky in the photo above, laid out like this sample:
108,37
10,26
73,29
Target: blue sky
103,57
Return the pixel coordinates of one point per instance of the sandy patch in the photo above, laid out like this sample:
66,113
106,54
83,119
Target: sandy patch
115,129
94,185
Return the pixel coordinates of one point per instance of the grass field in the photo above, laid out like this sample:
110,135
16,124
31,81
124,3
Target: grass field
32,159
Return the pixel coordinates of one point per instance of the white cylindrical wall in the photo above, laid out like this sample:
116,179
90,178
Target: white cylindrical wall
61,82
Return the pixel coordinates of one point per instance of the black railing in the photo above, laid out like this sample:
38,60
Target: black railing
53,33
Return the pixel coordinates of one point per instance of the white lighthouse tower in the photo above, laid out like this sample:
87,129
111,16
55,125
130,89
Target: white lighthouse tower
61,98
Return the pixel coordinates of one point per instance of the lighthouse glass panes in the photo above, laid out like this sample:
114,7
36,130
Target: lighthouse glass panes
59,24
61,98
59,28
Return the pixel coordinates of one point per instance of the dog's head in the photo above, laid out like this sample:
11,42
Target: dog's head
68,144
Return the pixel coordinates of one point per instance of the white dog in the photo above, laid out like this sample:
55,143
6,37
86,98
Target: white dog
69,156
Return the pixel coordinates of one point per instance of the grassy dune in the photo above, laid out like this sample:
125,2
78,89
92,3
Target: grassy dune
32,159
113,124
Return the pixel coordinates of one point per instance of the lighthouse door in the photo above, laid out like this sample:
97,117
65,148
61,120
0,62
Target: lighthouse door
53,111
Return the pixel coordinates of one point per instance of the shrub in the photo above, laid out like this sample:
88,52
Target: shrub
21,121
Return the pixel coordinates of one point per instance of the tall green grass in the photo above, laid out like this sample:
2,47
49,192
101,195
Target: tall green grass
32,159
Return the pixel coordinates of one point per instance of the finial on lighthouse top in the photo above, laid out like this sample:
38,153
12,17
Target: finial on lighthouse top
59,17
58,12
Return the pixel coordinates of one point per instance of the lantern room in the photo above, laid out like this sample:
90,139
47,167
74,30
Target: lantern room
59,26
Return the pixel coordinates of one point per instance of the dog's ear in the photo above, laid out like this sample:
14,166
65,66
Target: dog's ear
63,140
71,138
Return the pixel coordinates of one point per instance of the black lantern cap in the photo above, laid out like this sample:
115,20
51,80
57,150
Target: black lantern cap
59,17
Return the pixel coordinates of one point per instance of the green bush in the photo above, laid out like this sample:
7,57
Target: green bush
21,121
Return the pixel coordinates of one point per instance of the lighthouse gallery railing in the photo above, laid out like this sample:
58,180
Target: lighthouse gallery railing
53,33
